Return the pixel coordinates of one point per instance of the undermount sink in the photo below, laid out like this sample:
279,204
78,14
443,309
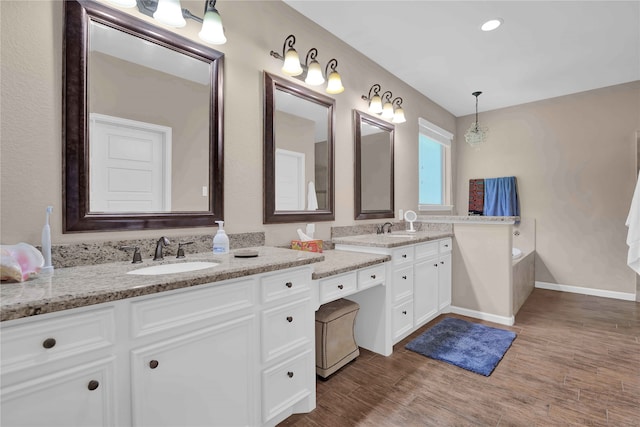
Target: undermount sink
181,267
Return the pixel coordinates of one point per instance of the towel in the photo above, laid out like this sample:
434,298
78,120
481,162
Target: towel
312,200
501,197
633,236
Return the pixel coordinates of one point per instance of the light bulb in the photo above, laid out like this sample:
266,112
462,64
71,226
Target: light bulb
169,12
375,105
334,84
291,64
212,30
314,74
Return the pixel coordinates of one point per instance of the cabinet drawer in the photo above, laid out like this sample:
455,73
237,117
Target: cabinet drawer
336,287
282,285
164,312
286,328
402,255
371,276
53,338
445,245
427,250
402,283
286,384
402,319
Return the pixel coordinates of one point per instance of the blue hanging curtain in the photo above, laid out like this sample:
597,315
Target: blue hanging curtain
501,197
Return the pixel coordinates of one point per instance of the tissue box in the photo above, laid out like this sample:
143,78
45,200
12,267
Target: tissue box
309,245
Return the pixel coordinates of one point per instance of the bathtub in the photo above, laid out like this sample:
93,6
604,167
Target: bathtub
523,266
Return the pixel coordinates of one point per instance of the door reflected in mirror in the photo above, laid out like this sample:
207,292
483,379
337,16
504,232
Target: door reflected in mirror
374,192
146,154
298,181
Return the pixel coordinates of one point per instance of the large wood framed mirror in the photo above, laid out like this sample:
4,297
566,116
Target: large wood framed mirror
373,167
298,153
142,131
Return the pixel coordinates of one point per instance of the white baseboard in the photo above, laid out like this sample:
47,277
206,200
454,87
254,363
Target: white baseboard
502,320
586,291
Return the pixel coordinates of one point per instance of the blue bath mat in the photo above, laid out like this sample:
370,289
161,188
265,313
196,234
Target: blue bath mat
471,346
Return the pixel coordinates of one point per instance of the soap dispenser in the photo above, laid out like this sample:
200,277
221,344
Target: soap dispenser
220,240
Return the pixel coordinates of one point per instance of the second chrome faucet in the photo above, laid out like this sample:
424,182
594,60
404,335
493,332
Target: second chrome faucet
162,242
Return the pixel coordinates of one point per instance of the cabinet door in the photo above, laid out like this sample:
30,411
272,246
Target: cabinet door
444,281
202,378
81,396
425,293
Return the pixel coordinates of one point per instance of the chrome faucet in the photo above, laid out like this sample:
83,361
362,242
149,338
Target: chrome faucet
380,228
163,241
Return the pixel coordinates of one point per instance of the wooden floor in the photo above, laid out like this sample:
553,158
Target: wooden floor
575,361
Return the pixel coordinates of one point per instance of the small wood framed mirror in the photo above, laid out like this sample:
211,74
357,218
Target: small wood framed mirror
374,183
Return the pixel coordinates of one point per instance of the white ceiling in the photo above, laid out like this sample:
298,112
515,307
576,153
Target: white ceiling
543,49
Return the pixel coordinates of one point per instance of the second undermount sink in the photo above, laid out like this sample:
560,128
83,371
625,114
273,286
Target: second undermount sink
181,267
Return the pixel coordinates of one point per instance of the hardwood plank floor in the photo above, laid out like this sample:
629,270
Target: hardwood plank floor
575,361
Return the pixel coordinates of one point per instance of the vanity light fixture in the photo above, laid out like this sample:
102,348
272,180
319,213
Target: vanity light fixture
171,13
476,134
375,101
334,82
389,109
313,71
398,112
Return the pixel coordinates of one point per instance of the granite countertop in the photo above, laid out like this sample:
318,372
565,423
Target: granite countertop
94,284
469,219
338,262
392,240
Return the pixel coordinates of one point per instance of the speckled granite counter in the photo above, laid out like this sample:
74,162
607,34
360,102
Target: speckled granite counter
471,219
87,285
392,240
338,262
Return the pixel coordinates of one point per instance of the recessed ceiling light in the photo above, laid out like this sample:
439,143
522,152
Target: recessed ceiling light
491,24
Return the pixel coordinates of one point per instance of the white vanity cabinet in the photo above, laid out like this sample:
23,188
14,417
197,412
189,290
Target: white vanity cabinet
59,370
287,331
192,357
420,285
231,353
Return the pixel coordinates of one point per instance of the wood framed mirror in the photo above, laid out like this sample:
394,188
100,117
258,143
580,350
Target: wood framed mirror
298,153
142,124
374,182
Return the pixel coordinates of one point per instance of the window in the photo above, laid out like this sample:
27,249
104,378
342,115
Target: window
434,167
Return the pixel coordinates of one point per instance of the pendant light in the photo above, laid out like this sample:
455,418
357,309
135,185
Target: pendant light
476,135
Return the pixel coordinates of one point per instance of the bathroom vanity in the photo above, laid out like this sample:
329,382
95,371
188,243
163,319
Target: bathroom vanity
228,345
418,283
232,346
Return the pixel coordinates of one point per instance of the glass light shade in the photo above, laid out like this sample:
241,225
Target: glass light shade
387,110
314,74
475,135
398,116
123,3
169,12
375,105
291,64
212,31
334,84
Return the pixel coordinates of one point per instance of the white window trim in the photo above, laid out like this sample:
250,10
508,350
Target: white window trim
445,138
